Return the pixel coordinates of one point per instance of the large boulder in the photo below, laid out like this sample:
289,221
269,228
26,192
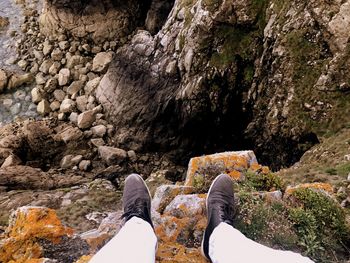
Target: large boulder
35,233
97,20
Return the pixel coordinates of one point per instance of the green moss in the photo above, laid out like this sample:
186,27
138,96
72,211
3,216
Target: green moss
263,182
236,42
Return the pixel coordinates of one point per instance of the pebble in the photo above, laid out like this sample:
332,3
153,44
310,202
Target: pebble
59,94
111,155
57,54
81,103
84,165
73,117
36,95
101,61
43,107
75,87
63,76
15,109
67,105
55,105
99,130
45,66
86,119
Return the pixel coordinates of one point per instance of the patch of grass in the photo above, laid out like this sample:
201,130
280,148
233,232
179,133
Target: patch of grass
331,171
264,182
343,169
320,223
266,223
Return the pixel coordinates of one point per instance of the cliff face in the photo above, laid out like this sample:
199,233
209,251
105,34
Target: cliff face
249,74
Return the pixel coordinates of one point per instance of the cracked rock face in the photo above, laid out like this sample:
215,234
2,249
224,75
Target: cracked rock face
268,76
97,20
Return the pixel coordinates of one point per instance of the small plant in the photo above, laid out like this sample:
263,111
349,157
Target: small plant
331,171
264,182
320,223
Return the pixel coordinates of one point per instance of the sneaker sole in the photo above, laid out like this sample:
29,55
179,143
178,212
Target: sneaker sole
206,206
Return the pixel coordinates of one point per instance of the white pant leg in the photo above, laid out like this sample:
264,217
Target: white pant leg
228,245
135,243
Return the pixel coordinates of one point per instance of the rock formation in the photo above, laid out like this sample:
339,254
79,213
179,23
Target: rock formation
242,73
95,20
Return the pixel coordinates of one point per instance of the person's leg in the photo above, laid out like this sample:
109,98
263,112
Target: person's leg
222,243
136,242
228,245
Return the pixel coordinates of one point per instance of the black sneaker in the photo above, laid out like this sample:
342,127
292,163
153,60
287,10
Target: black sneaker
136,199
220,207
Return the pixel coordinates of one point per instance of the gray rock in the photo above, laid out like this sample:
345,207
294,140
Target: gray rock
55,67
59,94
91,85
86,119
70,134
57,54
61,116
67,161
77,159
15,109
7,103
166,193
64,76
38,55
45,66
47,48
73,61
111,155
84,165
22,64
19,95
99,130
73,117
40,79
67,105
186,206
97,142
86,47
3,80
43,107
51,85
75,87
81,103
36,95
11,160
55,105
132,155
63,45
101,61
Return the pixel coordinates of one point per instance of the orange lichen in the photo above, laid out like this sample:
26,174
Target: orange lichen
319,186
84,259
230,162
169,250
235,175
28,225
265,170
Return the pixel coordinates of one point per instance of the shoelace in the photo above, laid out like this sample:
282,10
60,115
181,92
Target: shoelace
226,213
138,208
